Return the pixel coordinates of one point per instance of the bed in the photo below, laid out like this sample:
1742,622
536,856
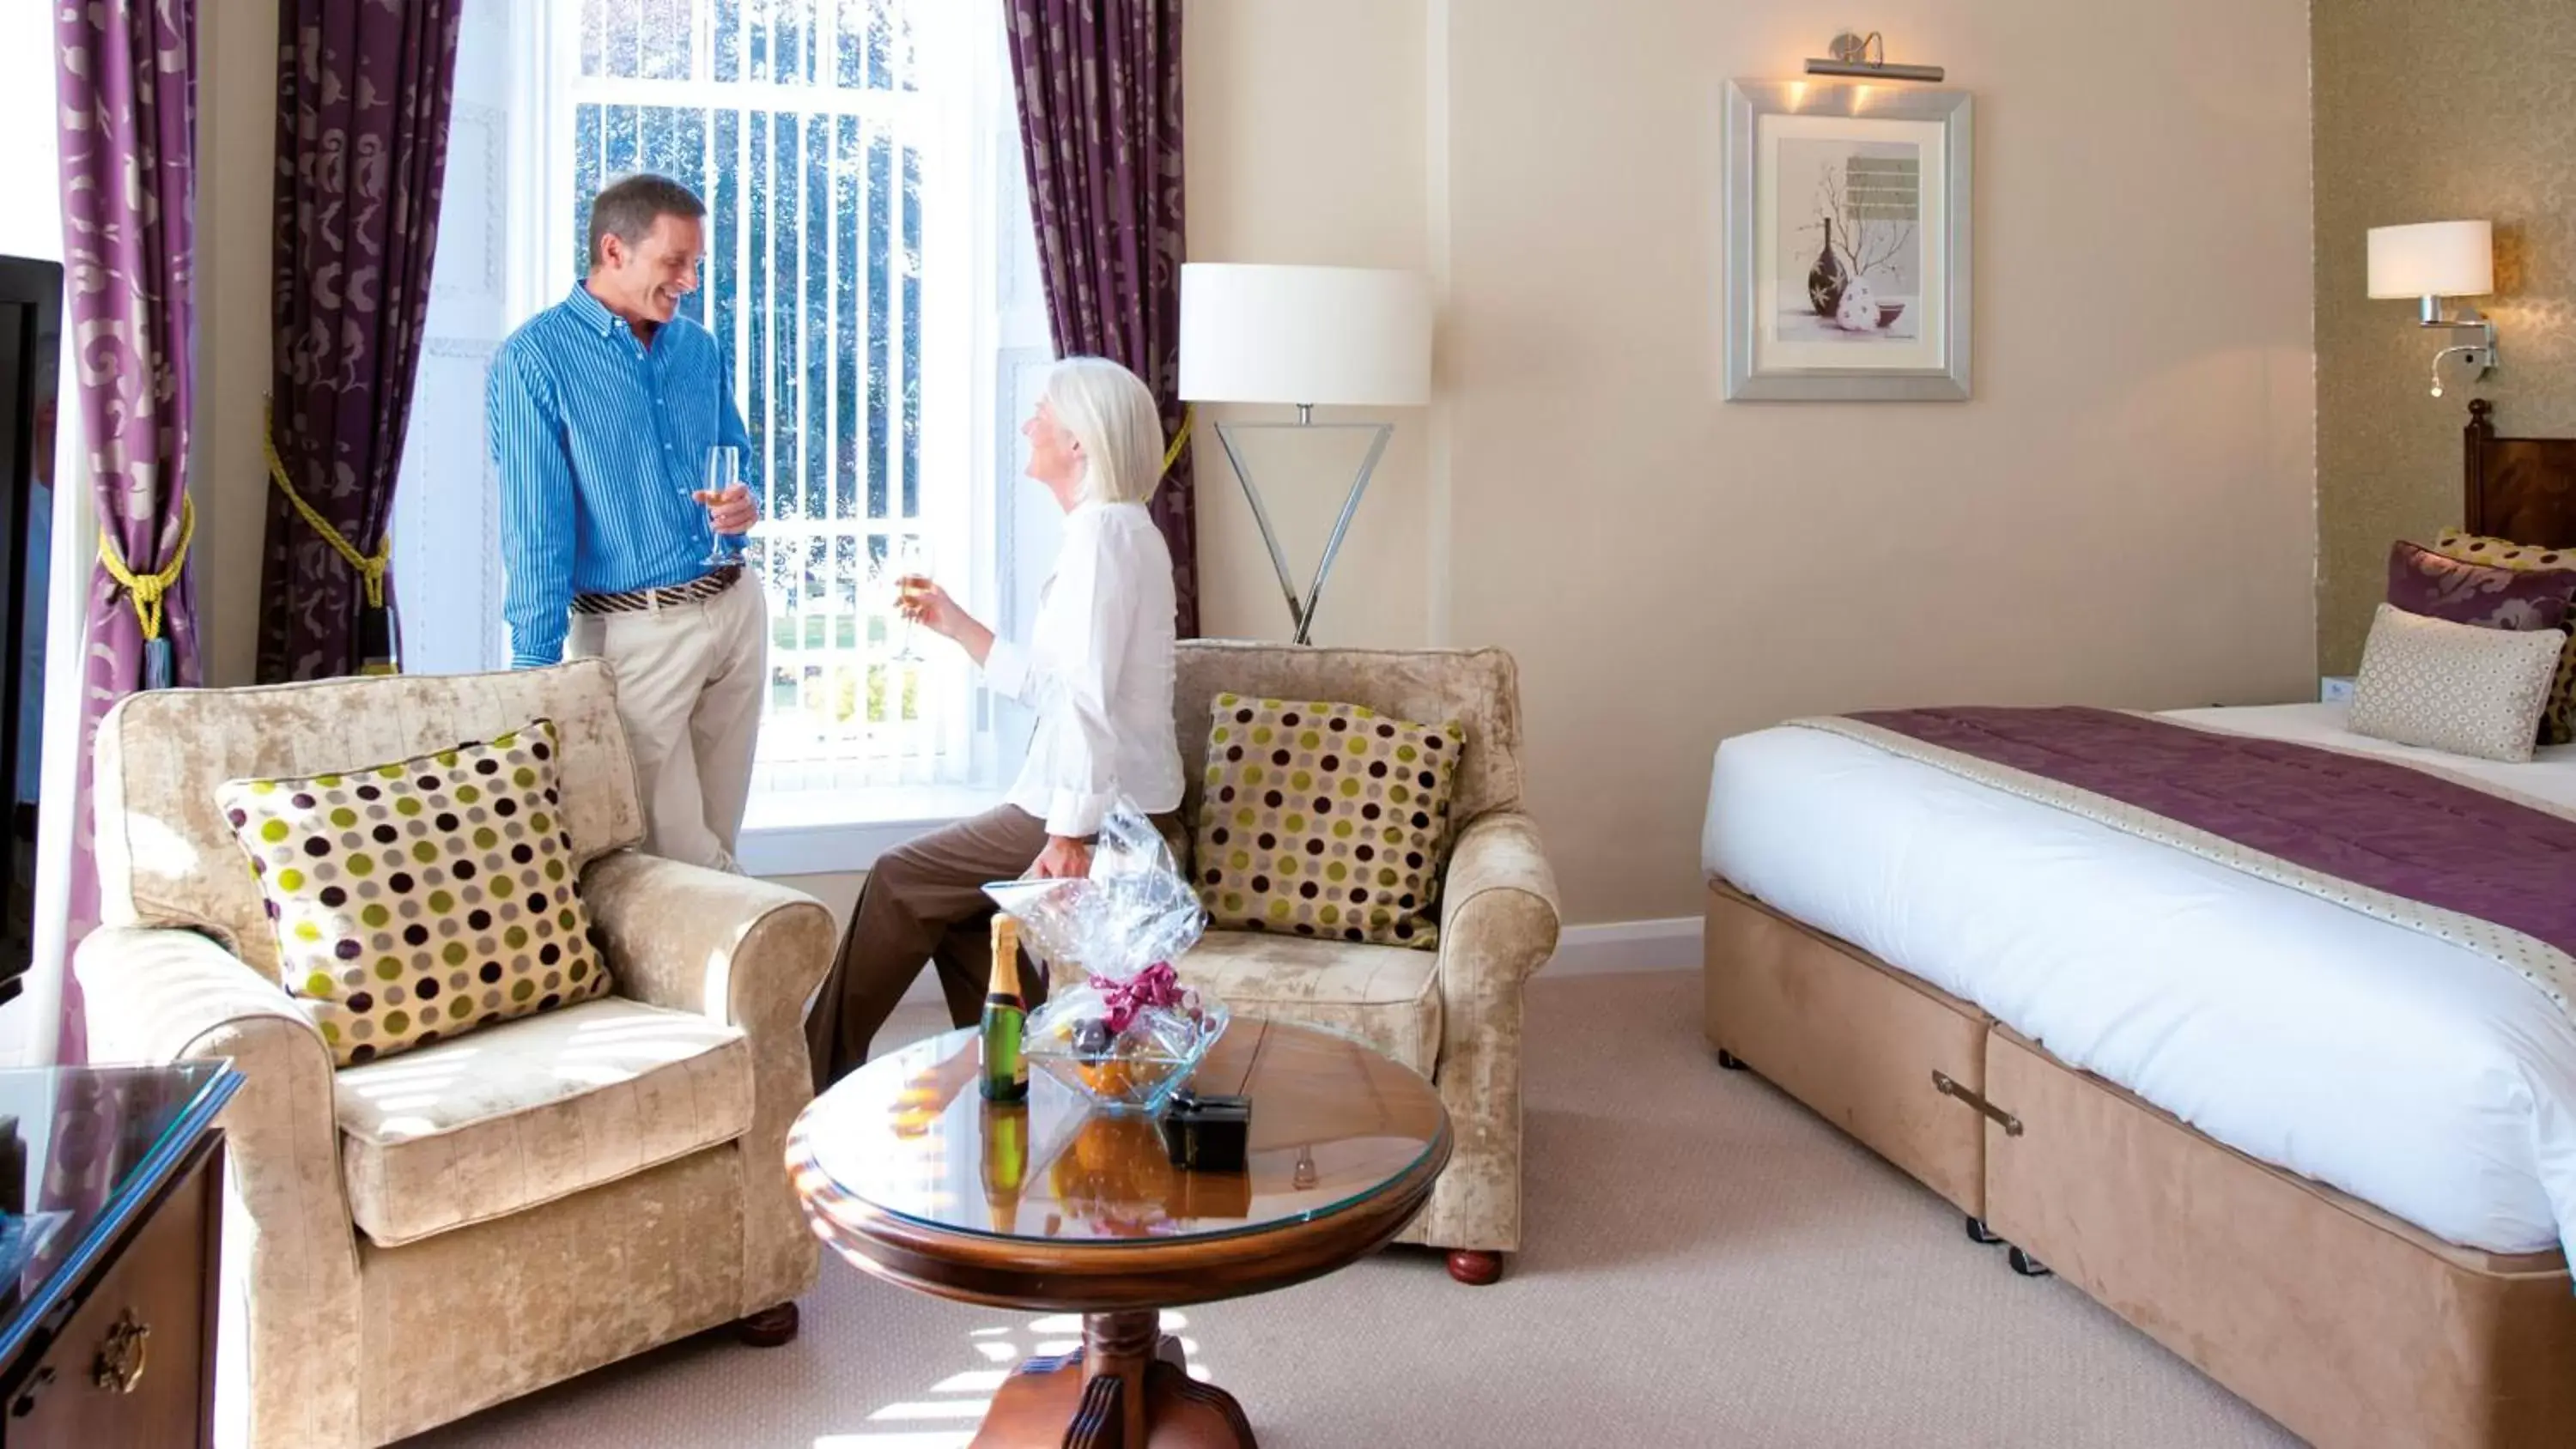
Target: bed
2356,1219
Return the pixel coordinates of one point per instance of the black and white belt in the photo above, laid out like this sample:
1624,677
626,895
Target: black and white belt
643,601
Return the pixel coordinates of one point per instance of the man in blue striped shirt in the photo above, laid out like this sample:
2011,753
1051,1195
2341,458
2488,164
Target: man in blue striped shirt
603,410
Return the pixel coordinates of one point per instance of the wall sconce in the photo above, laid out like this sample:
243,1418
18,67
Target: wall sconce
2432,260
1851,58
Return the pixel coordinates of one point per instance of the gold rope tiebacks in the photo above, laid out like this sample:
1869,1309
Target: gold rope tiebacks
144,591
1180,440
370,571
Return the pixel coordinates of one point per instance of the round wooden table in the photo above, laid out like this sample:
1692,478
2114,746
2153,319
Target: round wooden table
1055,1207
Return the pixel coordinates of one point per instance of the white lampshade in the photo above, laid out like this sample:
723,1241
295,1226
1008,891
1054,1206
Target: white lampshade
1320,335
2432,259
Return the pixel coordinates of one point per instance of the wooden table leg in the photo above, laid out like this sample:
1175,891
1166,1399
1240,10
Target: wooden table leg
1128,1388
1121,1346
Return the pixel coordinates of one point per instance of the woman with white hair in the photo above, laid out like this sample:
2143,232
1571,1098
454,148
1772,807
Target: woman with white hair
1097,668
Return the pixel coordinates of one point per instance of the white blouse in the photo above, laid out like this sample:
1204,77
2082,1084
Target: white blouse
1098,671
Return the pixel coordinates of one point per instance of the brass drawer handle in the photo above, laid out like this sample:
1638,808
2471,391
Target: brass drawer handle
121,1355
1947,1086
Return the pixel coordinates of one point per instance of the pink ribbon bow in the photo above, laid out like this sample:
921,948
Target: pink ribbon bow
1156,985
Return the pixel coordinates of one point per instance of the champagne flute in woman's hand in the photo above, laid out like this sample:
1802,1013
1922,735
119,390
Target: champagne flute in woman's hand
910,559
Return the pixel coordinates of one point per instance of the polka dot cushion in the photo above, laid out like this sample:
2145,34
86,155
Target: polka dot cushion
2558,717
2502,553
1326,820
419,900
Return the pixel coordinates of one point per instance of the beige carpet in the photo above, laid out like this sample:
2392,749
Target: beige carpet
1707,1264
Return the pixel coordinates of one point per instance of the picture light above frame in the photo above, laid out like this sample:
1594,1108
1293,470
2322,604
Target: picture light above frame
1851,58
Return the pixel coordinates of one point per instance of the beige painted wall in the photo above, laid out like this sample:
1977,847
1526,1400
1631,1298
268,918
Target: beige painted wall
2493,137
237,147
2121,516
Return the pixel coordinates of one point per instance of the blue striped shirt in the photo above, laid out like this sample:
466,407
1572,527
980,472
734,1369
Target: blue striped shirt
599,439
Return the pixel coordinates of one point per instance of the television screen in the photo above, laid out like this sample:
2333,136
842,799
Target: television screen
31,294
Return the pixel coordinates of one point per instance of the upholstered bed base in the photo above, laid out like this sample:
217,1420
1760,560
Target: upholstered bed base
2347,1325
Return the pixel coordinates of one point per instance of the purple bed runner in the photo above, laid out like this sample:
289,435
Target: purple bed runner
2374,823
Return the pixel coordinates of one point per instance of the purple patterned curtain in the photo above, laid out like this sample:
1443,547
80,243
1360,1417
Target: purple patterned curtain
104,1123
364,88
128,96
1100,120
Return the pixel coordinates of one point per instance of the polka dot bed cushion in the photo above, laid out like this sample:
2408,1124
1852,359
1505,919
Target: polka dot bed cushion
419,900
2502,553
1325,820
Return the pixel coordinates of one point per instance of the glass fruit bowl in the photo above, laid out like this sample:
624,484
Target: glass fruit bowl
1136,1070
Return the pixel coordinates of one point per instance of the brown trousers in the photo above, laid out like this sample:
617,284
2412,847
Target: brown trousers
925,901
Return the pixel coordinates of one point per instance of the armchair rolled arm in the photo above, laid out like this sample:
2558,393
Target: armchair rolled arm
1498,923
749,954
687,938
160,995
1498,908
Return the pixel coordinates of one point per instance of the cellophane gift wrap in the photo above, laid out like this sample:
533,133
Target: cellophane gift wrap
1132,1034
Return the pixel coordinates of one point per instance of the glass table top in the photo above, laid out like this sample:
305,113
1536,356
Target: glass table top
1333,1124
82,1151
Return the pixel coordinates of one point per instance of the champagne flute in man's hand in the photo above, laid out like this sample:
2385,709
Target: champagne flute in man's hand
724,474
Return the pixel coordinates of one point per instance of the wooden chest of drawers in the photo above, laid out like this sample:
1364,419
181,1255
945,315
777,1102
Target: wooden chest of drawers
132,1364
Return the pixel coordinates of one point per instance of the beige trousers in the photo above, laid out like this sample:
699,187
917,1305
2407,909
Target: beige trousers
689,678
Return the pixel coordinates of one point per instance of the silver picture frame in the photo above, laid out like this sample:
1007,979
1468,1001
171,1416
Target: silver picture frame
1882,313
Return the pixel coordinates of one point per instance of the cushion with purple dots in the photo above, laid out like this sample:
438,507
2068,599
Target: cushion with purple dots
1325,820
418,900
2502,553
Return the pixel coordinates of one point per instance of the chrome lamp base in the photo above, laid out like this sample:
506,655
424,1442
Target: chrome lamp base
1301,612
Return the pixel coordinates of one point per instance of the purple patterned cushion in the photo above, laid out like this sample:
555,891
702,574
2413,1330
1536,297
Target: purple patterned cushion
2423,582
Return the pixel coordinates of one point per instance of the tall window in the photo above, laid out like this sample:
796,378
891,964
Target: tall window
870,276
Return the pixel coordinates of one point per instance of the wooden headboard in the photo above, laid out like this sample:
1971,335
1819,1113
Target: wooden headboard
2523,489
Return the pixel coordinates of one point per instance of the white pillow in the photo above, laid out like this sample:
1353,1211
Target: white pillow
2454,687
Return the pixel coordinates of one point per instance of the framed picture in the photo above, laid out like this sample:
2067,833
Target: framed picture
1846,242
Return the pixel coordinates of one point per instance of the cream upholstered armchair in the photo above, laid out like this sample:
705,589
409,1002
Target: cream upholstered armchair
1453,1015
413,1239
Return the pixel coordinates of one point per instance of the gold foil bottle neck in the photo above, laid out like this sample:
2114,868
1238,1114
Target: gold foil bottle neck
1006,955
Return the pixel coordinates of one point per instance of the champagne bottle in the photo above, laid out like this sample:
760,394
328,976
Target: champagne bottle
1006,1016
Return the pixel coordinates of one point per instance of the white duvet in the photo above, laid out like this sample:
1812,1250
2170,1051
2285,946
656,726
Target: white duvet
2411,1073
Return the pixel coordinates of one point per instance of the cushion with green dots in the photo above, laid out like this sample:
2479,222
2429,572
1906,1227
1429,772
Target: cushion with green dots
417,900
1325,820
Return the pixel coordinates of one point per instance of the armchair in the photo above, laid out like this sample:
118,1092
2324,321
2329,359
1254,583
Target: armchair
1453,1015
414,1239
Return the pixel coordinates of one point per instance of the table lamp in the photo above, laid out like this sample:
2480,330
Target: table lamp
2429,261
1306,337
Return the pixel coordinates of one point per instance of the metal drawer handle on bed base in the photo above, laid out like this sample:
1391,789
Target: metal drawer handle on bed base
1942,1084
